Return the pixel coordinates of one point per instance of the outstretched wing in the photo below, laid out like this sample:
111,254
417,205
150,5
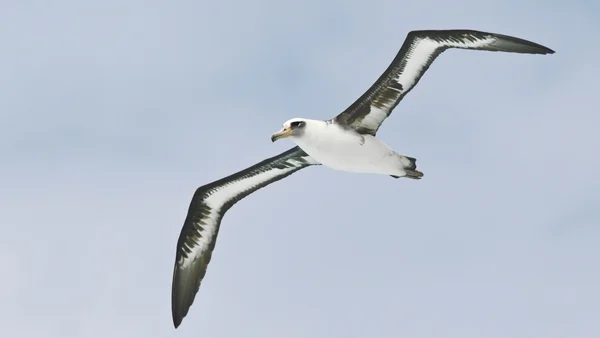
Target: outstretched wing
209,204
417,53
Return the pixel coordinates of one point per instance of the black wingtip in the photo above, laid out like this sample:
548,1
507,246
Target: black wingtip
176,322
176,313
179,311
513,44
181,299
186,283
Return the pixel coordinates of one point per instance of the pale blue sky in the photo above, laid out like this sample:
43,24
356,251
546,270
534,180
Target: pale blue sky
113,113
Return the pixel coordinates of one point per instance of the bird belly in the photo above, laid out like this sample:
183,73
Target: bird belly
352,152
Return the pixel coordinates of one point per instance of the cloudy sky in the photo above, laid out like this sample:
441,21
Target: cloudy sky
113,112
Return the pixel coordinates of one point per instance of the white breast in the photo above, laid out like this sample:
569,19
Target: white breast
346,150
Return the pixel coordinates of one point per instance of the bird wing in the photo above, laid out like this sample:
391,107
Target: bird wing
207,208
419,50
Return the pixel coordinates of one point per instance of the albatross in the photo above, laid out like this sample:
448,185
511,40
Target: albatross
347,142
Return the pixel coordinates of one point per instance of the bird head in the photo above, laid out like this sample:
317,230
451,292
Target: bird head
293,127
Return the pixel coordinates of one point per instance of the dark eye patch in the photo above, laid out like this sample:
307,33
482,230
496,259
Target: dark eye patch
296,124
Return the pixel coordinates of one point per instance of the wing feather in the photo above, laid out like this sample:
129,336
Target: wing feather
419,50
207,208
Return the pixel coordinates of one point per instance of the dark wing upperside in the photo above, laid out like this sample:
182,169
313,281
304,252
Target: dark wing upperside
208,206
419,50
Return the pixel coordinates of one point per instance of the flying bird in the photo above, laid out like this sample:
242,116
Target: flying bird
347,142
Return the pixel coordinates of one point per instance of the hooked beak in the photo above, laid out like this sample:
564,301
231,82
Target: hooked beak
285,132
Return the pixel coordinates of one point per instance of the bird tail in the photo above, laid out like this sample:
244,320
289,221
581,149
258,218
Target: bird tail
414,174
410,168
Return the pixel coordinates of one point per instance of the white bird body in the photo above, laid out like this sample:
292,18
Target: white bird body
345,149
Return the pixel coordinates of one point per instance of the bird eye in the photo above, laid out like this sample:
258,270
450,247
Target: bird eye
296,124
